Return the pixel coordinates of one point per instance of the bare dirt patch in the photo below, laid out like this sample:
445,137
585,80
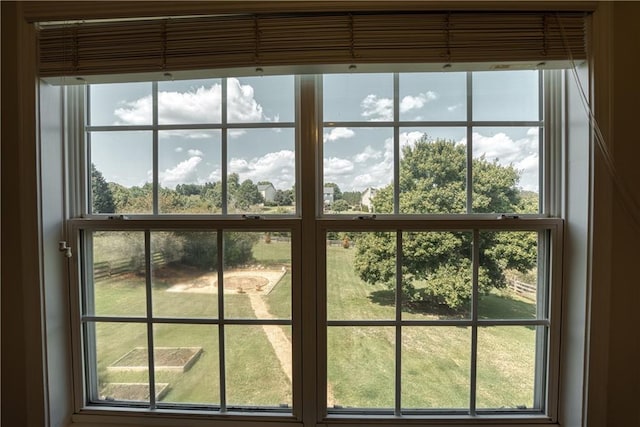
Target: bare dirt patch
243,281
179,359
132,391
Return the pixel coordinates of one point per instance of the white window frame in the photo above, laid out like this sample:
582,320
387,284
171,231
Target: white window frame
312,340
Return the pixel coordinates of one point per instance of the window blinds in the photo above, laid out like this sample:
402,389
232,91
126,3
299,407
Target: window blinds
227,41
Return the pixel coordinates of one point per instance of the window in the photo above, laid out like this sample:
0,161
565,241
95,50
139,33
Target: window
425,213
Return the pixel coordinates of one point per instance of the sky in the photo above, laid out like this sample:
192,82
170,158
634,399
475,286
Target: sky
357,145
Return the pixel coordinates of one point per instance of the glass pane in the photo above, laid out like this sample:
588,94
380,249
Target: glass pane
262,170
120,104
435,367
433,171
508,275
506,367
360,367
186,360
121,177
118,275
505,95
258,365
190,171
357,164
261,99
361,275
189,101
357,97
437,275
257,275
506,170
184,274
122,361
433,96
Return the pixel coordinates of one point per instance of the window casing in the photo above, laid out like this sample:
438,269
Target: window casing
402,223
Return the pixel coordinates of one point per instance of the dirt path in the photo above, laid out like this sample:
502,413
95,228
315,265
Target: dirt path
279,341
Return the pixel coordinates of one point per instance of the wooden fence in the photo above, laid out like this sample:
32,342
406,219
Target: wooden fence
106,269
525,289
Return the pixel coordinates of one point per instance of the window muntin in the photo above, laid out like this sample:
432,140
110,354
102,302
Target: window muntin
159,290
397,134
485,127
187,147
444,324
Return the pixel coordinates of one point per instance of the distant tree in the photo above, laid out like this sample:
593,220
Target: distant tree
352,197
283,198
340,205
432,180
247,195
189,189
102,198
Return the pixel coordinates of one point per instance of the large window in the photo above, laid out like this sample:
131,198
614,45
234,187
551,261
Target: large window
425,208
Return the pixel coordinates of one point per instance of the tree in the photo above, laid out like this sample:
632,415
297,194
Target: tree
353,198
101,196
247,194
436,265
283,198
340,205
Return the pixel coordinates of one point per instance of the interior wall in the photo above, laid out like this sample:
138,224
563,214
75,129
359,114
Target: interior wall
623,389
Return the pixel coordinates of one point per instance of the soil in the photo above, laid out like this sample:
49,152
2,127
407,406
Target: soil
174,357
132,391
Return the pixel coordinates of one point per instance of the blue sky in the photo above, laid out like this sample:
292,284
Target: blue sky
356,154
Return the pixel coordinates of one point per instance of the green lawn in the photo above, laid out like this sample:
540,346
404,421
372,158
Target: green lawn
435,361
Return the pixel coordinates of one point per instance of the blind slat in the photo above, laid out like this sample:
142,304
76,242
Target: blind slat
298,39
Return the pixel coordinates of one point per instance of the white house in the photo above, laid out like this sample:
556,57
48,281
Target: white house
268,192
327,195
367,197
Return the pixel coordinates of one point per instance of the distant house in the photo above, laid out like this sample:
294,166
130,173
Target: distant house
367,197
327,195
268,192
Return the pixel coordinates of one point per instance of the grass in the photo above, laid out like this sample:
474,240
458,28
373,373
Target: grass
435,363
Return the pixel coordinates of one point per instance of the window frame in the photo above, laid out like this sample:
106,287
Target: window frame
309,124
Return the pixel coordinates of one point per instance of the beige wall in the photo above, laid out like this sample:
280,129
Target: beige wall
614,392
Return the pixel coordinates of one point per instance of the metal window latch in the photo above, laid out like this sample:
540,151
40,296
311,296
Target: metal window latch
252,217
362,217
504,216
117,217
64,247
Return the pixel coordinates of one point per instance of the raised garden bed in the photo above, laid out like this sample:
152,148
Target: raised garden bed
177,359
132,391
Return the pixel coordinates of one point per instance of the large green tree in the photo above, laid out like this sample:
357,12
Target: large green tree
102,199
436,265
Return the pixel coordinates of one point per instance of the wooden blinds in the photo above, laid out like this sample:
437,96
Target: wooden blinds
209,42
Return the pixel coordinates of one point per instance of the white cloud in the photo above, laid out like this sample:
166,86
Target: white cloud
277,167
452,108
377,109
410,102
185,172
368,154
201,105
338,133
178,149
194,153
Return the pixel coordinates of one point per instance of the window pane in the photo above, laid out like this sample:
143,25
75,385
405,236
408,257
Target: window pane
260,99
433,96
121,172
505,95
257,275
122,361
506,367
508,276
506,170
433,172
357,97
358,162
120,104
189,101
184,274
361,278
186,358
437,275
258,365
435,367
118,281
190,171
262,170
360,367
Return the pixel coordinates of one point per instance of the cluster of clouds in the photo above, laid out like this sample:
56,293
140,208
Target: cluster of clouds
372,167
